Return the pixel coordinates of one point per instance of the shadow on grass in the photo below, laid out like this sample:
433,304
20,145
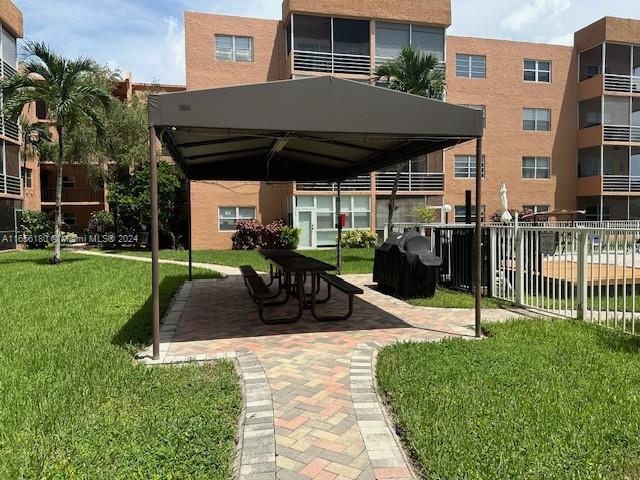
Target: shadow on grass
136,333
42,261
617,341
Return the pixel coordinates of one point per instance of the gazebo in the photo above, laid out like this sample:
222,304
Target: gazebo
313,129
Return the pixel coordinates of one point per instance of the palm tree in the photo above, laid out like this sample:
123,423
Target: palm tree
69,89
411,72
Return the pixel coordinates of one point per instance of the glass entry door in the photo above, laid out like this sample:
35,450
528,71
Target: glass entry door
305,223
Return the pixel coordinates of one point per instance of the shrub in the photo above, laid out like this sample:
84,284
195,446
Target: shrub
101,229
271,235
247,236
427,214
37,229
290,237
359,239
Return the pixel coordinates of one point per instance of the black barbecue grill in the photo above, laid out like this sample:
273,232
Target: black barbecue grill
405,265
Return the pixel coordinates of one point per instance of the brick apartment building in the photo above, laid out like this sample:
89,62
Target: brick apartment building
562,123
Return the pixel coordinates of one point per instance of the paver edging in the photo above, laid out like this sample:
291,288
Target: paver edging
386,452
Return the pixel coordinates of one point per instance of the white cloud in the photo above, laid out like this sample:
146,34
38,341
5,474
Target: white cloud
563,39
174,46
534,12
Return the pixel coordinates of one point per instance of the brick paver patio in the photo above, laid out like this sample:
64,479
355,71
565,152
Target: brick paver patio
318,432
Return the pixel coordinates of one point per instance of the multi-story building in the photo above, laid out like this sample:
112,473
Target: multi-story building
83,189
562,123
11,193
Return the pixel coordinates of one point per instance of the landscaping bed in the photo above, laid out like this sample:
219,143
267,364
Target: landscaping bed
74,404
537,400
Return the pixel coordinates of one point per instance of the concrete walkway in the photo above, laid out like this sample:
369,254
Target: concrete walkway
223,269
327,418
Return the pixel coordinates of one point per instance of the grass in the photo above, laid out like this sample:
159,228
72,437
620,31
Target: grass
73,404
536,400
355,260
445,298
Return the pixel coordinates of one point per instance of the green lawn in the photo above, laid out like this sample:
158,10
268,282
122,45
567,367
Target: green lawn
536,400
355,260
73,404
446,298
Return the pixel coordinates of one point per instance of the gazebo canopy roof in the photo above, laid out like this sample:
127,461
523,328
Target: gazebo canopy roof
314,129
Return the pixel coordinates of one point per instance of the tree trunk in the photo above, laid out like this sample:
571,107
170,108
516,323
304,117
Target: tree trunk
392,200
57,258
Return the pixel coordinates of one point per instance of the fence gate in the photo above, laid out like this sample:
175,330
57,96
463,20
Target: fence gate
455,245
571,272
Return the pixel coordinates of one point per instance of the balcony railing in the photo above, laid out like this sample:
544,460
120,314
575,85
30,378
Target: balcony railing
8,70
10,185
621,83
358,184
382,60
73,195
621,133
9,129
411,182
331,62
620,183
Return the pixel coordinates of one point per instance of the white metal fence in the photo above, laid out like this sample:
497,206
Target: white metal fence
575,272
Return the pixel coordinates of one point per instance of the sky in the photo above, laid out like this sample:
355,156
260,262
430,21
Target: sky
146,37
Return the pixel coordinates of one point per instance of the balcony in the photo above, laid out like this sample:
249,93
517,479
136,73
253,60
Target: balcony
621,133
361,183
76,195
308,61
621,183
8,70
621,83
411,181
10,185
9,129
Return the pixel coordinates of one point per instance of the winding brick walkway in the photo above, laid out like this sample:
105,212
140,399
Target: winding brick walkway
318,431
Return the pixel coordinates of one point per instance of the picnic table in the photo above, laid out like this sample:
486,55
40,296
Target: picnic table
288,264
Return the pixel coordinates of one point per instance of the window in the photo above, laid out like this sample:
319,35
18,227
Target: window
391,37
537,71
536,208
351,36
536,167
536,119
68,181
41,110
471,66
483,109
231,48
228,217
69,218
26,175
460,213
465,166
593,213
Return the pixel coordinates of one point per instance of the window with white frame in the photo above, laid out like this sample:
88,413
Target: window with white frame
465,166
461,213
536,167
536,119
535,208
232,48
68,181
471,66
537,71
228,217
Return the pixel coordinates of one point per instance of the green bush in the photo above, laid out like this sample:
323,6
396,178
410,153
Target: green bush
37,229
427,214
359,239
101,229
290,237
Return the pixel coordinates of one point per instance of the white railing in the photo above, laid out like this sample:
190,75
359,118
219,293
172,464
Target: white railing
620,183
622,133
10,185
572,272
410,181
331,62
361,183
621,83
